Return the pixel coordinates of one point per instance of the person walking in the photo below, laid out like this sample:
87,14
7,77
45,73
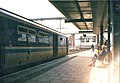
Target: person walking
92,47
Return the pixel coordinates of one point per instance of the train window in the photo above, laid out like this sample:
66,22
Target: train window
21,29
43,37
43,40
41,34
46,35
61,39
31,32
21,37
31,38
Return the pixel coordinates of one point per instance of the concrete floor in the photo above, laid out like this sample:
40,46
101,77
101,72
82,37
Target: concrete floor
75,70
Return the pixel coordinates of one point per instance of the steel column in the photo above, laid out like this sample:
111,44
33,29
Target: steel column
101,36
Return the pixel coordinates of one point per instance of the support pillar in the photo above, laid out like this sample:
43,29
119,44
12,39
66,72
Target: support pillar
116,30
116,39
101,36
72,40
109,29
98,43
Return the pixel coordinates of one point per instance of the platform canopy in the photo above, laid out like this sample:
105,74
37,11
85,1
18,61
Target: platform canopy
84,14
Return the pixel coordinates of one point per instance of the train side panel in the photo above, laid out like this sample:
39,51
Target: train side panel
20,45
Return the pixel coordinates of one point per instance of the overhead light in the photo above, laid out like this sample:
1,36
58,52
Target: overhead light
90,24
88,14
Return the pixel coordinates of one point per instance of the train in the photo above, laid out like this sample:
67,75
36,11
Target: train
25,43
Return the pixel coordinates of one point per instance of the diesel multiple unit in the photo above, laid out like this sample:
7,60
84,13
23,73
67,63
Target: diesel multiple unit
24,42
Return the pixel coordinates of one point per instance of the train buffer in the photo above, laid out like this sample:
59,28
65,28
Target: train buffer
70,69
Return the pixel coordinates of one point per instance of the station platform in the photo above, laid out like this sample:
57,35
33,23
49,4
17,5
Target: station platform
70,69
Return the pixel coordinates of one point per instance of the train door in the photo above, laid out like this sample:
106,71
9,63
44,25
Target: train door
55,45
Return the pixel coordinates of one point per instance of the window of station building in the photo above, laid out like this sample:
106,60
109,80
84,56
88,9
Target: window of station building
94,39
87,39
83,39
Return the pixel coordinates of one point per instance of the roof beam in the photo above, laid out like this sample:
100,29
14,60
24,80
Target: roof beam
80,11
52,18
78,20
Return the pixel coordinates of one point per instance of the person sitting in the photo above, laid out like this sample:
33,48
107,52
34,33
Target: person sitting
102,54
93,60
99,56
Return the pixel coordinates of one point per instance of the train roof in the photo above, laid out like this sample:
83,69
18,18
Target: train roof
12,15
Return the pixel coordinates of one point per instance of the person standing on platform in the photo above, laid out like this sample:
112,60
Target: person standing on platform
92,47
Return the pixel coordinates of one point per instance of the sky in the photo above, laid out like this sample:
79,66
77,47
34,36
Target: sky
38,9
31,8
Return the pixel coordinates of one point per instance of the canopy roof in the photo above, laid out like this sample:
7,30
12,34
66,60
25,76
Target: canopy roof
84,14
